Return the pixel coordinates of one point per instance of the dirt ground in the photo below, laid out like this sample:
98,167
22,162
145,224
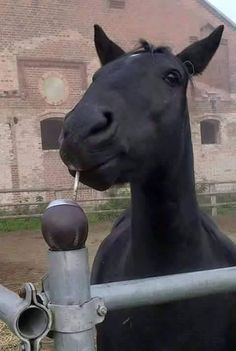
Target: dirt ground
23,255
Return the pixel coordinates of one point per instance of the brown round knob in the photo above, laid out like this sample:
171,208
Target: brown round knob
64,225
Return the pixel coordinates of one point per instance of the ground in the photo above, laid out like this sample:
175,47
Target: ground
23,257
23,254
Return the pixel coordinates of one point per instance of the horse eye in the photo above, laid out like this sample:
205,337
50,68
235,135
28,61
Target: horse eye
173,78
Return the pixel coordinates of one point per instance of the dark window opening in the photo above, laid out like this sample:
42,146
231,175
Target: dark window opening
50,131
210,132
117,4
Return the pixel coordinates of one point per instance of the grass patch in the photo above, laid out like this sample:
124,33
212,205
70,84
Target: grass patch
22,224
226,210
17,224
104,212
101,217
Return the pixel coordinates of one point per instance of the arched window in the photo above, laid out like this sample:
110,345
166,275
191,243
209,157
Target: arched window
50,131
210,131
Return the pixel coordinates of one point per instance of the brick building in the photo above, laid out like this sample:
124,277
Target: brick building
47,58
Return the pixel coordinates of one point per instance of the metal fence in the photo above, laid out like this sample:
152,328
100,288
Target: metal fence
215,198
70,307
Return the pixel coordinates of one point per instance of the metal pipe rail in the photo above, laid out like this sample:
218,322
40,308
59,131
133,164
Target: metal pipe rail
27,317
159,290
10,306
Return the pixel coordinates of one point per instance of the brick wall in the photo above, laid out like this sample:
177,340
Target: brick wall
55,38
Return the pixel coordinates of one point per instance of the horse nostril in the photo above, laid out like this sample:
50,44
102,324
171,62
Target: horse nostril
109,117
102,124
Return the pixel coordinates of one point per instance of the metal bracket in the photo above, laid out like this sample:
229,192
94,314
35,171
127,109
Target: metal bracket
76,318
35,321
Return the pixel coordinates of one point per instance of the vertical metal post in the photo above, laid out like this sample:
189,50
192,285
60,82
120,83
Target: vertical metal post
213,201
65,229
69,286
213,204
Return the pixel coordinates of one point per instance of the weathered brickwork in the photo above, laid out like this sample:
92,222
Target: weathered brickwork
54,38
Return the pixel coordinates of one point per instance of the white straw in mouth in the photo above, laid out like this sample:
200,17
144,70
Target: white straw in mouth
76,186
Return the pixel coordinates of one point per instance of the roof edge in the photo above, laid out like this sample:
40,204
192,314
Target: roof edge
215,11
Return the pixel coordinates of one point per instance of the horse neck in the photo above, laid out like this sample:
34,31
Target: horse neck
165,212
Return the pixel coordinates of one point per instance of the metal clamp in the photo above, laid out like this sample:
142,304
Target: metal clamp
34,322
78,318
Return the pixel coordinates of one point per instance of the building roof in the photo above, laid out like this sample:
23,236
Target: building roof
215,11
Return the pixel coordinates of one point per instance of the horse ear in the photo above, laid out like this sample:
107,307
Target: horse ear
197,56
107,50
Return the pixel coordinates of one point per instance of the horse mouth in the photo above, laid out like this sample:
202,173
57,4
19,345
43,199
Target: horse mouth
90,169
99,177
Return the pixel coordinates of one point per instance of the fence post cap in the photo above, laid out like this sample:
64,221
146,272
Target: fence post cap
64,225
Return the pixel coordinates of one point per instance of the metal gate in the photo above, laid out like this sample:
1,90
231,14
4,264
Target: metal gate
70,307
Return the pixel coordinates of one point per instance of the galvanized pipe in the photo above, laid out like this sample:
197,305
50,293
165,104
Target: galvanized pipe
158,290
25,320
10,306
68,287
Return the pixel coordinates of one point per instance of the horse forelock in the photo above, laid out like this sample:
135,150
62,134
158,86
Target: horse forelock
144,47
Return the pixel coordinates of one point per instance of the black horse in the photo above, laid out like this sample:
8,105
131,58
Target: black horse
132,125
